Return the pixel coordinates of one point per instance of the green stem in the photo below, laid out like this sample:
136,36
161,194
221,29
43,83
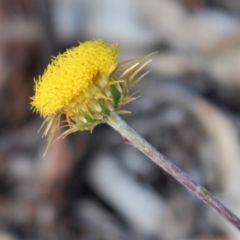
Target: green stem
141,144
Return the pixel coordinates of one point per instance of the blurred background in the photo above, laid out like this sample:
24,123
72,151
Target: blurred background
94,186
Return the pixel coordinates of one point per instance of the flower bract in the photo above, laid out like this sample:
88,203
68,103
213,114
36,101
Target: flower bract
82,86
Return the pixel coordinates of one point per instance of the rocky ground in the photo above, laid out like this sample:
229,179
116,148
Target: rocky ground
95,186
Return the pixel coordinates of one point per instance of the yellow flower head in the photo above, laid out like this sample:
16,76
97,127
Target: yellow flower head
85,84
71,74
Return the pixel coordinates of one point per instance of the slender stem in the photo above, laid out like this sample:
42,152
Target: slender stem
137,141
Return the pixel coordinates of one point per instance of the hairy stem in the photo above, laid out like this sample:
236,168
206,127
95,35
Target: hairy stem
141,144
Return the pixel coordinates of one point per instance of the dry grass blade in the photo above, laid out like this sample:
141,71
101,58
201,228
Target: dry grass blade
140,59
128,100
52,121
138,80
129,69
131,76
114,82
47,121
132,95
67,132
87,109
100,95
123,112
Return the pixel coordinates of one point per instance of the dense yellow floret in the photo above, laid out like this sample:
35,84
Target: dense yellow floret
83,86
71,74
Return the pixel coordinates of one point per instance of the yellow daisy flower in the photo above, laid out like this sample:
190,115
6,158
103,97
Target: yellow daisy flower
85,84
